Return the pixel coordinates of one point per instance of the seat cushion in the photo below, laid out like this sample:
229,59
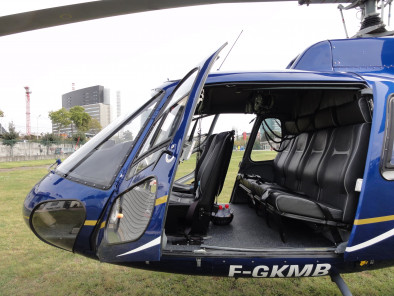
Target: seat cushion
257,186
299,204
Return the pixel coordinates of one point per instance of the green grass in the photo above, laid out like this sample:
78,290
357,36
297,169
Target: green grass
30,267
28,163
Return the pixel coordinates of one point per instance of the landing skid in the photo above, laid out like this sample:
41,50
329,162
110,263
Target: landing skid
338,280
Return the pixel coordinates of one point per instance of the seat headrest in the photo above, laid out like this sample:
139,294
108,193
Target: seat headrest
291,128
305,124
325,118
353,113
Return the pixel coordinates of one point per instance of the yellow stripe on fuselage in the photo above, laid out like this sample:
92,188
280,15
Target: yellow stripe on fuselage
93,223
373,220
161,200
90,222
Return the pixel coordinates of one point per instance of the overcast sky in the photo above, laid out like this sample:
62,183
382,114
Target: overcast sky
135,53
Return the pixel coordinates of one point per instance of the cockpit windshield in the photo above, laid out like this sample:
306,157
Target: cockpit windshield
98,161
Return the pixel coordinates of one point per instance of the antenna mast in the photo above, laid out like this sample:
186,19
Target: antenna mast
28,126
230,50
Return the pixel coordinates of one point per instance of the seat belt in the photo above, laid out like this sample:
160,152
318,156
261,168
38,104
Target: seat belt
334,231
189,217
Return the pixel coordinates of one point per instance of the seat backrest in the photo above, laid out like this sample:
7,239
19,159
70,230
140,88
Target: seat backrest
202,156
295,161
318,146
344,161
207,143
213,169
281,158
324,123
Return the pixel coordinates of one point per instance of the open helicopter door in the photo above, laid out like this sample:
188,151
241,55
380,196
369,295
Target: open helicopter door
134,218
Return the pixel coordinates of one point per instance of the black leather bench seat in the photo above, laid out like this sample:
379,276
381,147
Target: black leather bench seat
256,185
317,176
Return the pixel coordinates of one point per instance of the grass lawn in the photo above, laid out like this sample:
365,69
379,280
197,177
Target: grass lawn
18,164
30,267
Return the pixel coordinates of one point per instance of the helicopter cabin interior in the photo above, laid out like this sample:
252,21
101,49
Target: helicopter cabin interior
306,196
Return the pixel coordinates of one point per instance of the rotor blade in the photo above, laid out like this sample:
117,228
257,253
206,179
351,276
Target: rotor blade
32,20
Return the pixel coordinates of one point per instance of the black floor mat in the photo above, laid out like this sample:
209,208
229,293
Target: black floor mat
248,230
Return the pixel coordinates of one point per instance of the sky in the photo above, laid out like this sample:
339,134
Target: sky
135,53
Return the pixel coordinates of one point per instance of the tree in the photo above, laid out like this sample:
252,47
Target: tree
80,118
48,140
94,126
61,118
10,137
79,138
256,145
128,136
1,126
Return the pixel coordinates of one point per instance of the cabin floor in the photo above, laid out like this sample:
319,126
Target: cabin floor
250,231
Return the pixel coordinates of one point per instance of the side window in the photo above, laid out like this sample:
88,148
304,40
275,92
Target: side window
163,130
267,140
387,166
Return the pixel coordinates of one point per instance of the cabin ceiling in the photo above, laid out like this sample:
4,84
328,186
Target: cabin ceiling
285,101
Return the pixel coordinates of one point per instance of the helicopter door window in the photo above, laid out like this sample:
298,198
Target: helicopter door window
267,140
143,163
134,205
387,167
161,132
164,128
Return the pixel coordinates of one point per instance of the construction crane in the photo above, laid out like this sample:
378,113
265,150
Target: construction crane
28,126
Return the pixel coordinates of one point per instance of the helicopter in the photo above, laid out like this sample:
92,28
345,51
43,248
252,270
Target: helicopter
322,206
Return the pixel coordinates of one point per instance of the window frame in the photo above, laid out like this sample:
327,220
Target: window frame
254,133
386,167
153,178
165,110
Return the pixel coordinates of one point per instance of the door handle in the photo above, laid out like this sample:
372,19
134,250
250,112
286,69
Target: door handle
167,152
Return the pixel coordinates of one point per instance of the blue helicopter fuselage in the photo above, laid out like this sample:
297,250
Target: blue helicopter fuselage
360,63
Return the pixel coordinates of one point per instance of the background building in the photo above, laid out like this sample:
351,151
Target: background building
118,104
271,124
95,100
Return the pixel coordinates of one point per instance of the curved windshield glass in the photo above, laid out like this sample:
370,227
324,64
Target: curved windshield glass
98,162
